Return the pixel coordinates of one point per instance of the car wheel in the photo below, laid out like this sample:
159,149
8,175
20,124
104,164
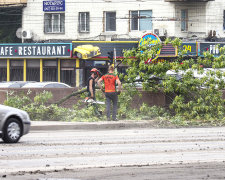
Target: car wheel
79,55
12,131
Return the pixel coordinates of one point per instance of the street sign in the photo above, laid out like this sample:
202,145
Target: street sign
54,5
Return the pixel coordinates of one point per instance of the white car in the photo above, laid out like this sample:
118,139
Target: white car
13,84
14,123
46,85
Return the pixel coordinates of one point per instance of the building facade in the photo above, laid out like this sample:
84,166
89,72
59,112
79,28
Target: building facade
122,19
110,25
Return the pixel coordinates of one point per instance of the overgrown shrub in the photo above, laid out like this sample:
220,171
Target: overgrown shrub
37,108
195,99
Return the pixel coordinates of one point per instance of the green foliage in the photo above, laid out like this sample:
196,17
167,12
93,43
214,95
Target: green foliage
153,112
37,107
194,99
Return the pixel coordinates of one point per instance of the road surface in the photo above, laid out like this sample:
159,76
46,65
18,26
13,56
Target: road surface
137,154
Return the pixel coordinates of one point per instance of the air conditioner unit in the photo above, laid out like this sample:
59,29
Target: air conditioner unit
27,34
156,31
160,32
102,37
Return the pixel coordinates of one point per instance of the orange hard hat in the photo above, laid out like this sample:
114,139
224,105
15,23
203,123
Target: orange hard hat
94,70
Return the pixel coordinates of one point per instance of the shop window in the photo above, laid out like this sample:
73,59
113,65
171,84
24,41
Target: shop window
50,70
110,21
33,70
184,20
16,70
68,72
54,23
141,20
3,70
84,22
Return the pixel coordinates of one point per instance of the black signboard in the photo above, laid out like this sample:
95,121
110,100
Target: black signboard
191,48
39,50
213,48
109,46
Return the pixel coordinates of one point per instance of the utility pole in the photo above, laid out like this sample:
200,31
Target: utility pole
114,54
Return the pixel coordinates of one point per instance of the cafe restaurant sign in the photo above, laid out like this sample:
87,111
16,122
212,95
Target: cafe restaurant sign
37,50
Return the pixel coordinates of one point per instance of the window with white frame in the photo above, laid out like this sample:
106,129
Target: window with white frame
84,22
184,20
141,20
110,21
54,23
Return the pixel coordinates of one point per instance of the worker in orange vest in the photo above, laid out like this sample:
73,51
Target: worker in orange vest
110,80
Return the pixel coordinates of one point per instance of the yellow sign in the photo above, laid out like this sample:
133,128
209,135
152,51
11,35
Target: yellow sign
154,39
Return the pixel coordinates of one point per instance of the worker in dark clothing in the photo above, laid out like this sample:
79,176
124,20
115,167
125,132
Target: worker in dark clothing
95,74
111,94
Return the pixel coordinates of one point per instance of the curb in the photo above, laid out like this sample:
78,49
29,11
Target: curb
54,125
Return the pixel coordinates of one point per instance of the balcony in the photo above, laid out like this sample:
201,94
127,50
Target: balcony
8,3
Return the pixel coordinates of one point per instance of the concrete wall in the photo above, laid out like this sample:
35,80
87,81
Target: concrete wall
214,14
196,19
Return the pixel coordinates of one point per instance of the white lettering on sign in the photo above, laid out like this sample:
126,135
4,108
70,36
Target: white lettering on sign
34,50
214,49
64,49
44,50
48,50
10,51
59,50
53,3
29,50
20,51
38,50
25,50
6,50
2,51
53,51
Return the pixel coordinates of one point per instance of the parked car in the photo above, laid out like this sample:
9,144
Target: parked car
13,84
14,123
196,74
46,85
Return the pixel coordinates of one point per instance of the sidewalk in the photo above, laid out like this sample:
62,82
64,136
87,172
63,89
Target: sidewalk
101,125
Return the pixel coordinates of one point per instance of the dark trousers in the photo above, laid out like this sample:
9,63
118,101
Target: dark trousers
111,97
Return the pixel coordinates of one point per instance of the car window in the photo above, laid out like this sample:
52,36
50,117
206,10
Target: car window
15,85
60,86
49,86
